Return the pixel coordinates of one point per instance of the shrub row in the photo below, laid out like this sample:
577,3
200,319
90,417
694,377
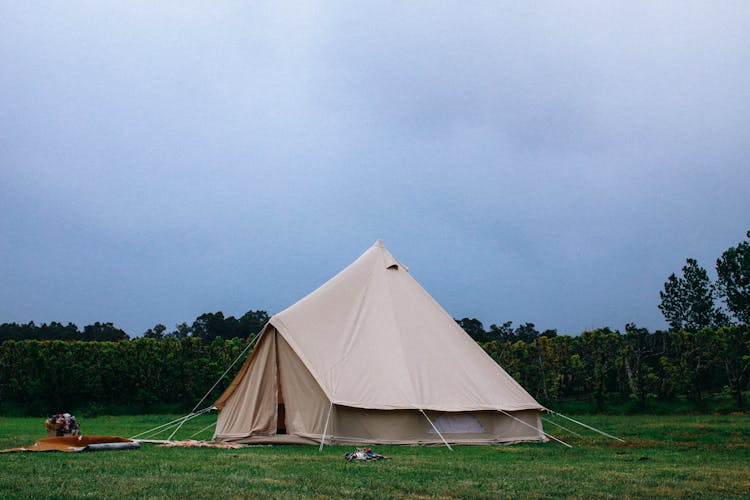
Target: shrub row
38,377
638,365
145,374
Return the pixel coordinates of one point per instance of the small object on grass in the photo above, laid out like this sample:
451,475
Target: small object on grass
364,455
62,424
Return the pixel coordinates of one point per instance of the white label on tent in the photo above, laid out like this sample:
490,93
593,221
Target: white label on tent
460,423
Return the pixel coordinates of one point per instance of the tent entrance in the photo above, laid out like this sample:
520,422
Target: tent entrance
280,408
280,419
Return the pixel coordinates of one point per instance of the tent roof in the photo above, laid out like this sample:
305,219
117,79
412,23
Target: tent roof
372,337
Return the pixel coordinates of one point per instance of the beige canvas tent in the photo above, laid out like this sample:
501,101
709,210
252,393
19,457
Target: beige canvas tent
370,357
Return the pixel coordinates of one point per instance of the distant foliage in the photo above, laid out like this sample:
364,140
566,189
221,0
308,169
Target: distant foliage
139,375
643,365
58,331
733,268
56,367
526,332
692,301
207,326
146,374
689,301
210,326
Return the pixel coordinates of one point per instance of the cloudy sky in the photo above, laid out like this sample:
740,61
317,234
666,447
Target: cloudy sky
549,163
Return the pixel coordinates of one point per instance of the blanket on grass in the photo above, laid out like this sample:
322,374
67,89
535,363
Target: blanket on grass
78,443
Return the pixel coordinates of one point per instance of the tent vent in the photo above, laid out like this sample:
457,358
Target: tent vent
460,423
393,266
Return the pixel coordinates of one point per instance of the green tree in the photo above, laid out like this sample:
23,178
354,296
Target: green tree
522,364
503,333
473,327
104,332
552,358
638,348
208,326
526,332
598,350
689,301
30,331
733,353
252,322
733,269
690,362
157,332
181,331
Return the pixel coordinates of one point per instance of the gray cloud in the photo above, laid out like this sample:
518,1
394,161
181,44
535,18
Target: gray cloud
549,164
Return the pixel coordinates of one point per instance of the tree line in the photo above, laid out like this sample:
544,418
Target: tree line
136,376
58,331
207,327
637,365
601,366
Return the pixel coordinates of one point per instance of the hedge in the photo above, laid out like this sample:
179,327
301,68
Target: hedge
145,375
38,377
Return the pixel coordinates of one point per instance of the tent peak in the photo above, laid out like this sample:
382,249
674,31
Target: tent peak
390,261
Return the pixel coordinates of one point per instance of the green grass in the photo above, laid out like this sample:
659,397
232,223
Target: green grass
699,456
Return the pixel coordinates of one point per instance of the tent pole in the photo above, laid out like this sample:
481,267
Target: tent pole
529,425
586,426
325,429
435,428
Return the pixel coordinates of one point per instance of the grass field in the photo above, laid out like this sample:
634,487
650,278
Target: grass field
699,456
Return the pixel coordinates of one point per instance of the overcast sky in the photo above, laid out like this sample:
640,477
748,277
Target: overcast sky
549,163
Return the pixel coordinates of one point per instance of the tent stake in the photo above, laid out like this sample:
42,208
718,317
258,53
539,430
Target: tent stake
325,429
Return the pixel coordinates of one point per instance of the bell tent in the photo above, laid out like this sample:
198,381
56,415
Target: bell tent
371,357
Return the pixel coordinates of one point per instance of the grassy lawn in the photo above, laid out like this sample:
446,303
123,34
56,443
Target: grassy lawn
704,456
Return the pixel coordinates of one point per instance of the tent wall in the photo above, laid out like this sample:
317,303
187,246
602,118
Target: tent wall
306,406
359,426
274,374
248,407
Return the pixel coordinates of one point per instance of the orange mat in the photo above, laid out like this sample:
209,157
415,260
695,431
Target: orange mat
78,443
